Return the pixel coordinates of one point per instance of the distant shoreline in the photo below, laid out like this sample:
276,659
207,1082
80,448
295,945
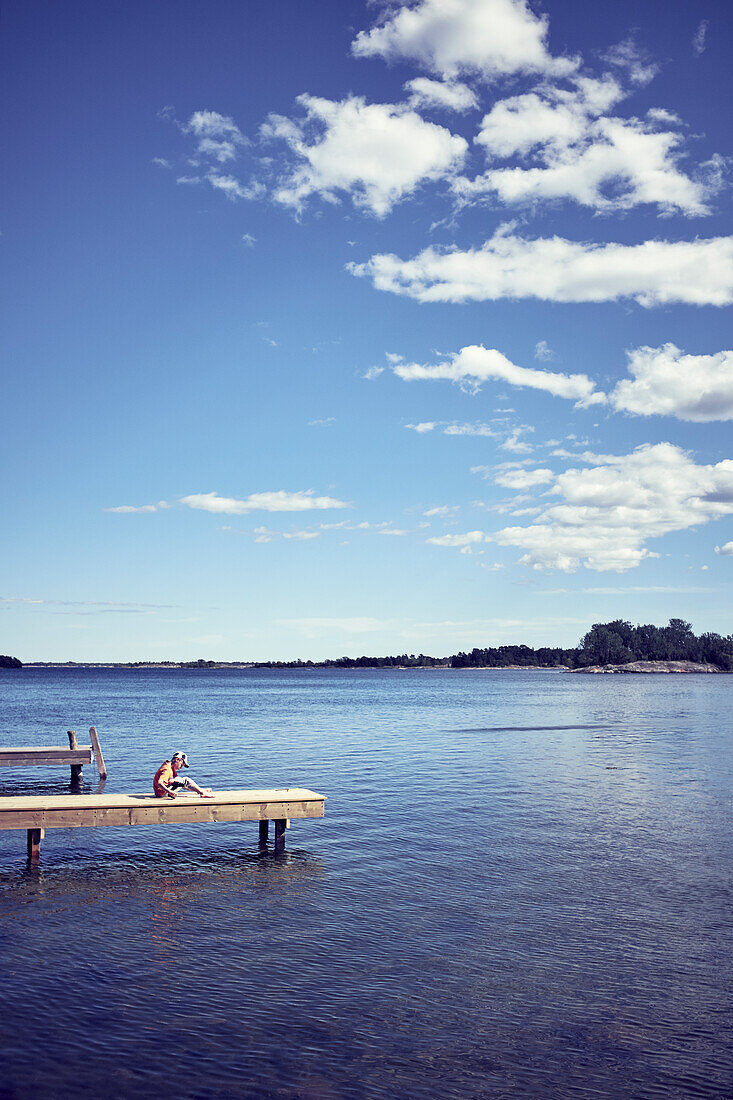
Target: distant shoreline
630,668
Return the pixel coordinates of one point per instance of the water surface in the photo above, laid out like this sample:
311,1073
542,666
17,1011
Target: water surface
522,888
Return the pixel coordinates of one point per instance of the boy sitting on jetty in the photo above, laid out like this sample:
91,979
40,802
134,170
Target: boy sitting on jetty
166,781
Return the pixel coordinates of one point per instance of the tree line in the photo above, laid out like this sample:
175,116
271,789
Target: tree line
617,643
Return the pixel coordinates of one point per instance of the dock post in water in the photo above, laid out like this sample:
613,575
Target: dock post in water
264,833
77,770
35,836
280,826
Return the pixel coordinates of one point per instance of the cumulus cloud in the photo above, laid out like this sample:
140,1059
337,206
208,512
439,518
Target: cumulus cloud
278,501
726,549
375,152
571,149
424,93
218,137
698,272
423,426
668,382
487,38
608,512
468,539
476,364
524,479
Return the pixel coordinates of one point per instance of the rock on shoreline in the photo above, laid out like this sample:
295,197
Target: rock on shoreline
651,666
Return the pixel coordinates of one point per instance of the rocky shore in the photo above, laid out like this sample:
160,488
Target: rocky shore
651,666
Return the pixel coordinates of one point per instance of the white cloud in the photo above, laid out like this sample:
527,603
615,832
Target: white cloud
475,364
628,56
249,240
232,187
425,93
726,549
442,510
668,382
698,272
485,37
218,137
468,539
325,422
515,443
543,351
377,153
372,373
698,42
610,511
424,426
124,509
471,429
278,501
576,151
524,479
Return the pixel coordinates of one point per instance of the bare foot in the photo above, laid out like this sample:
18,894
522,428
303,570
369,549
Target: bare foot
207,792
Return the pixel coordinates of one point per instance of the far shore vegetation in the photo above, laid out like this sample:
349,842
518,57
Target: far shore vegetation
613,643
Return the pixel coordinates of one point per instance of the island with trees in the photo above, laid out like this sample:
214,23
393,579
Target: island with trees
606,646
9,662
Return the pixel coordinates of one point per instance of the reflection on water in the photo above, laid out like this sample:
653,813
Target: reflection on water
522,888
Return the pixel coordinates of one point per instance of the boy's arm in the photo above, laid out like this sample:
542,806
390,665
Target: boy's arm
168,790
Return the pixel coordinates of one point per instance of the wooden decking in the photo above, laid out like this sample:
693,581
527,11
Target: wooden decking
35,813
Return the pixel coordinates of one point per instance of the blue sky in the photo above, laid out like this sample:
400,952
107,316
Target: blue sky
332,328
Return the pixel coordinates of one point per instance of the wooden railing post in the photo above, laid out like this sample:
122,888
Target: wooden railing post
97,749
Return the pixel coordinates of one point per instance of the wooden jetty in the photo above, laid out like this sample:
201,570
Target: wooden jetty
76,756
36,813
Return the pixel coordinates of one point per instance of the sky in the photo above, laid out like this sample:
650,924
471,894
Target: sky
335,327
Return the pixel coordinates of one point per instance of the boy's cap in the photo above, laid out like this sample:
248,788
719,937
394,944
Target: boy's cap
183,757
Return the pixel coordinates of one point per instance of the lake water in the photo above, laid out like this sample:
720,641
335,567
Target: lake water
522,887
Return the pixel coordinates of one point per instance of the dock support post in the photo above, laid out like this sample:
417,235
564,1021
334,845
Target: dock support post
76,769
280,826
264,833
35,836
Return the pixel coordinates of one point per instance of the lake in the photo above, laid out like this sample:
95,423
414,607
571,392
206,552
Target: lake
522,887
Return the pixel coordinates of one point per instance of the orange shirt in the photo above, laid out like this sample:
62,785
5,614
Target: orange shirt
164,774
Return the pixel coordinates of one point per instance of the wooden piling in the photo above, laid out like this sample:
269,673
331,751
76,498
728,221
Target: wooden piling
35,836
280,826
264,833
76,769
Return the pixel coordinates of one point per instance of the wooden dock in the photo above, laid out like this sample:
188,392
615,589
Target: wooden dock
76,756
36,813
